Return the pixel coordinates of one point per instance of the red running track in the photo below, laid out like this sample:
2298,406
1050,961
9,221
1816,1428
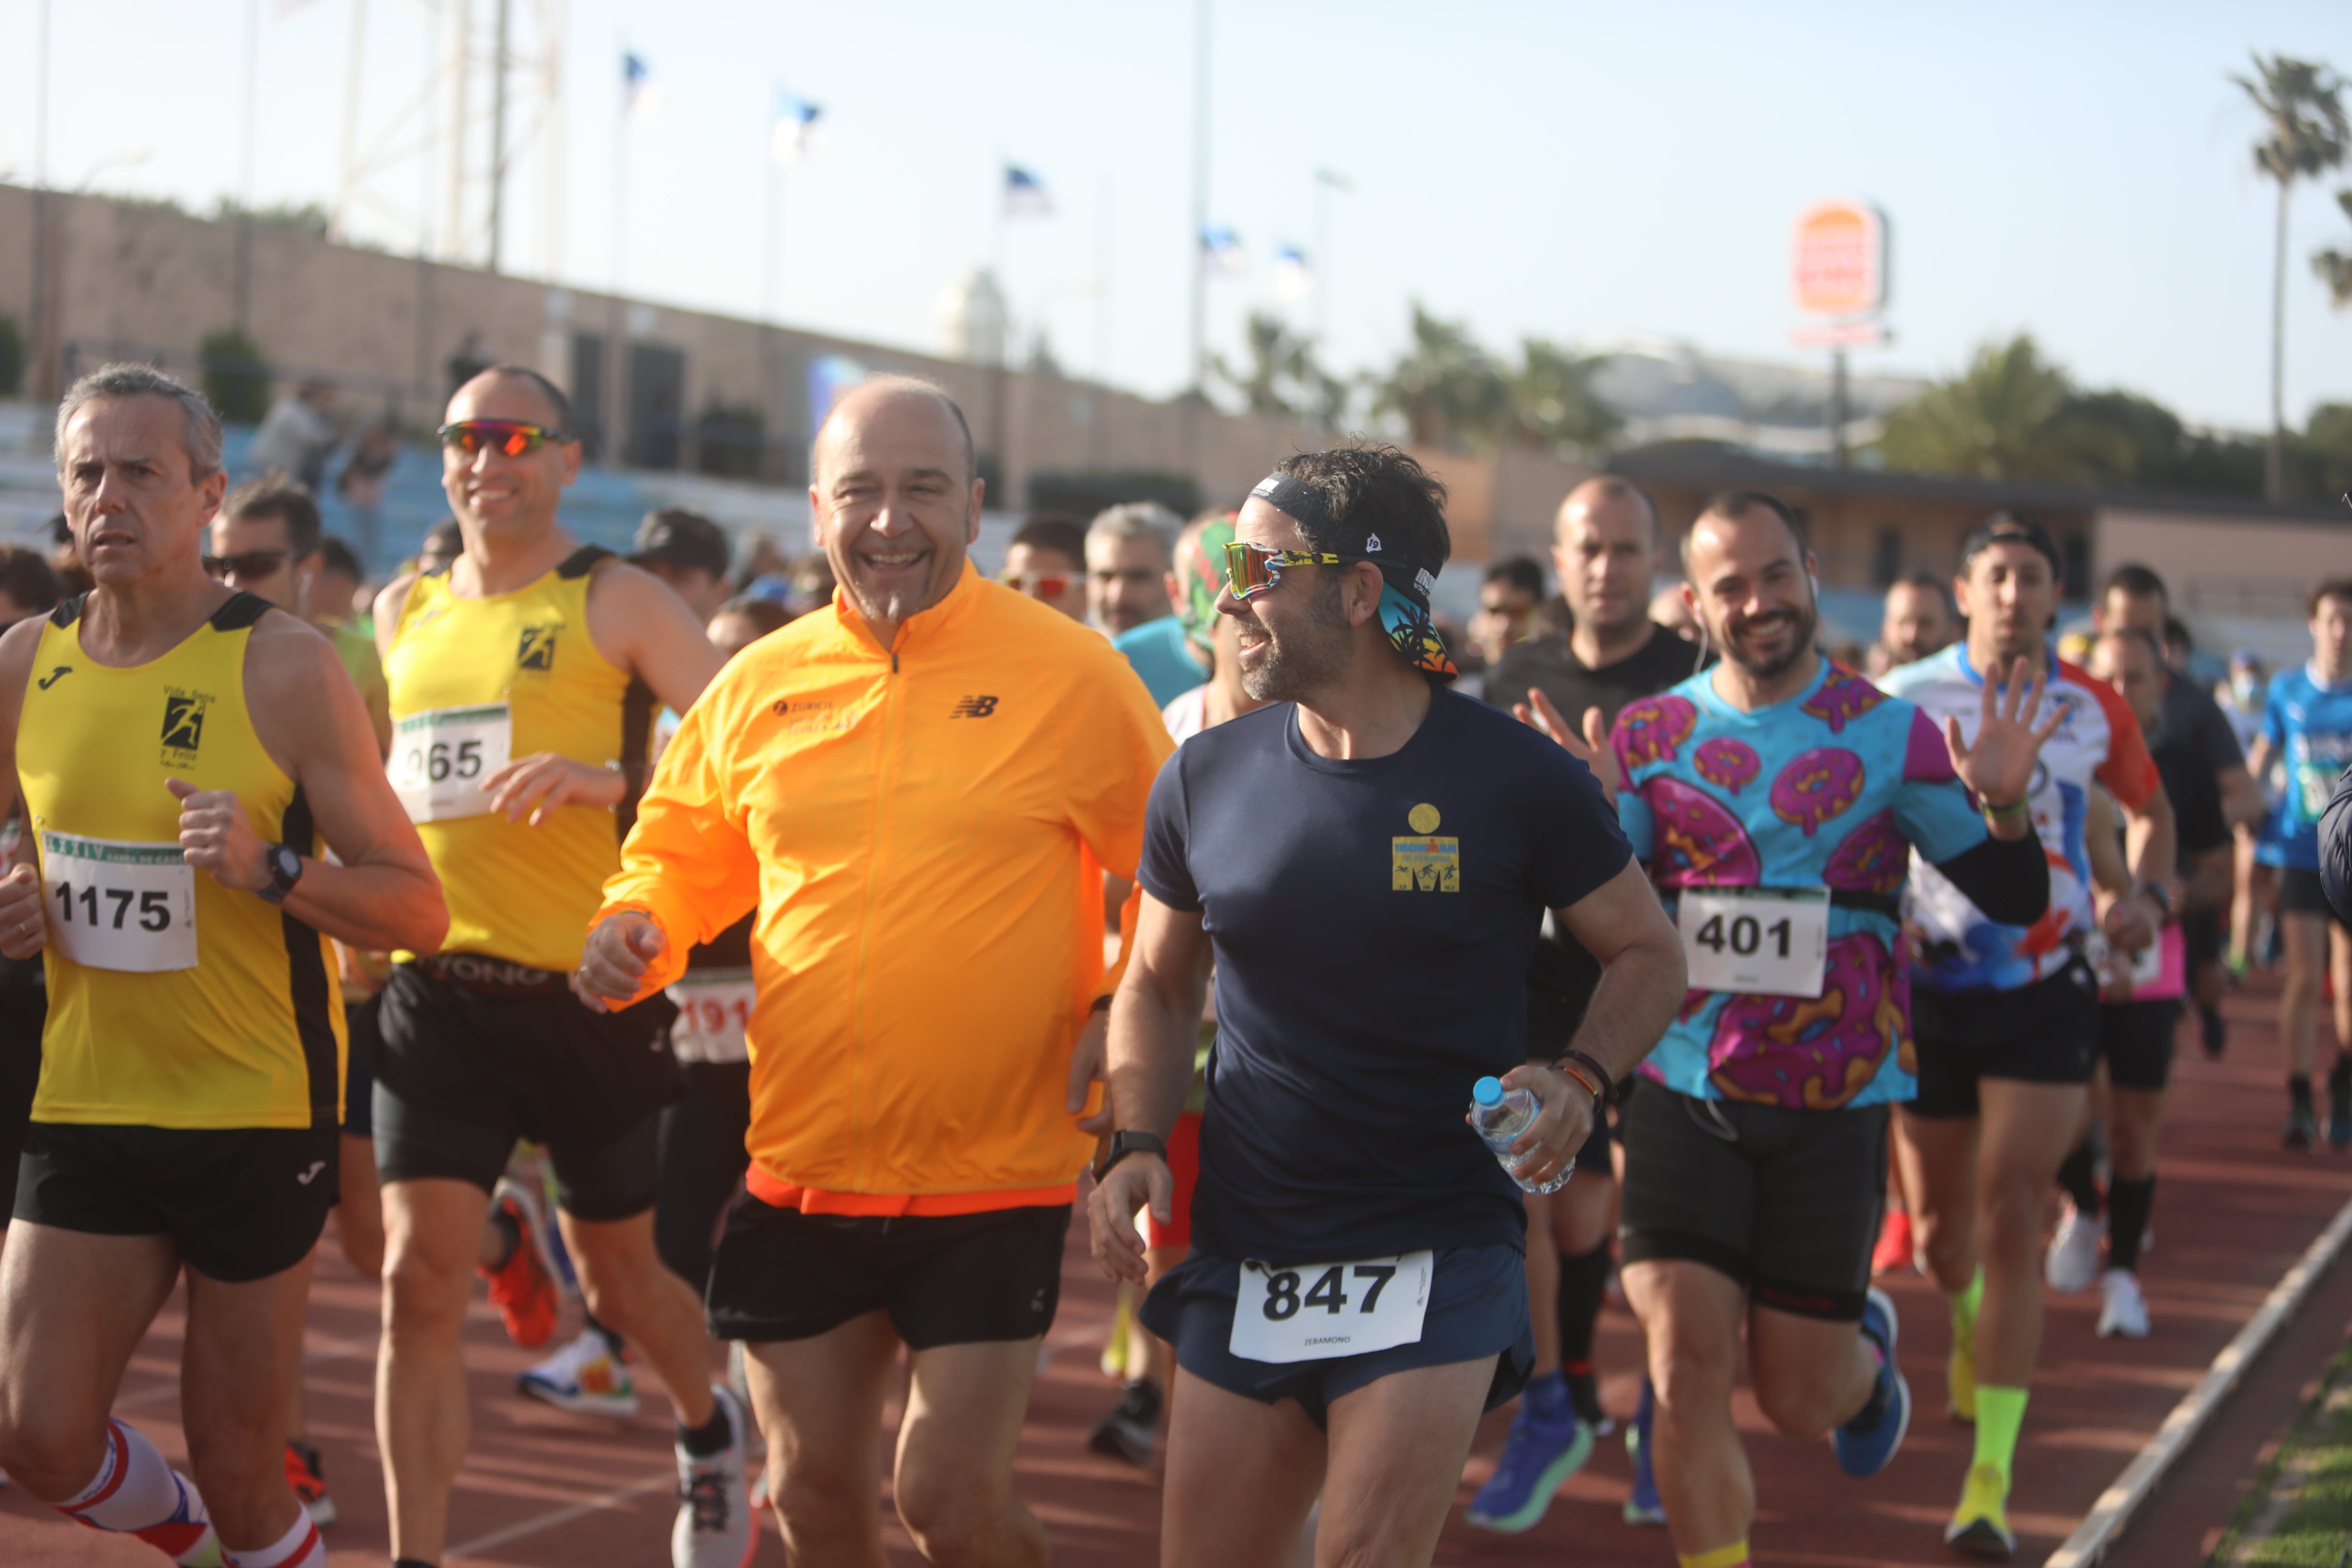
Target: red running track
547,1490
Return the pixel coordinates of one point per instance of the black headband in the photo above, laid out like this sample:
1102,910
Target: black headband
1304,503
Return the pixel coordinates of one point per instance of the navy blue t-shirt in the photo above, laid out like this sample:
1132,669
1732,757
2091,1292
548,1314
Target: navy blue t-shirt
1371,922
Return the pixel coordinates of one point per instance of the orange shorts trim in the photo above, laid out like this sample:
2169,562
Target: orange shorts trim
778,1193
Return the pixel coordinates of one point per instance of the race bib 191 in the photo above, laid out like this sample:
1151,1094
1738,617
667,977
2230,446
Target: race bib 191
1312,1312
440,759
116,905
714,1010
1767,941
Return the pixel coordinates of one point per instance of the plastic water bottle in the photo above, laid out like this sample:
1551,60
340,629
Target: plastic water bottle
1501,1115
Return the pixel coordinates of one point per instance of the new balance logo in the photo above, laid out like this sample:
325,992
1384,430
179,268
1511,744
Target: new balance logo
316,1167
54,677
973,708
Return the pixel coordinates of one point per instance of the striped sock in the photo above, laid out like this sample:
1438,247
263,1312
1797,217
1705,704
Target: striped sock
299,1547
137,1493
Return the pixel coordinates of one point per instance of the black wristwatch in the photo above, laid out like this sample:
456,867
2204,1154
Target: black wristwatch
285,869
1120,1145
2159,895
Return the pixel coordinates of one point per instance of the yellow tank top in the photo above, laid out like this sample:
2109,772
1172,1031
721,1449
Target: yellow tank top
173,1001
476,683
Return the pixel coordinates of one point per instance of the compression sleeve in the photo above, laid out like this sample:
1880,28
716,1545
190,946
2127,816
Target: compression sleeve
2008,880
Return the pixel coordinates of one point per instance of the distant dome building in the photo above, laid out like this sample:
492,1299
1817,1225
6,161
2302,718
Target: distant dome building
973,319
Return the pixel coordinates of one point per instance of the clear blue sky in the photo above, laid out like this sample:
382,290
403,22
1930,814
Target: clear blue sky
1583,172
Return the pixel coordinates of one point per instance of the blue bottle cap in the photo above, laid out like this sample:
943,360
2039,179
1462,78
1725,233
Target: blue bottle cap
1488,1091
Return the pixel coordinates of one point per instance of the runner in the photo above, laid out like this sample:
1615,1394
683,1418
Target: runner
2005,1012
524,679
1131,591
1131,1430
918,789
2141,996
1047,561
1606,550
688,552
1756,1157
2307,726
28,587
266,539
1918,621
191,1069
1368,861
1509,597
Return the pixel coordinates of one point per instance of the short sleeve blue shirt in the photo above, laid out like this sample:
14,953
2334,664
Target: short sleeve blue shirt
1831,787
2309,728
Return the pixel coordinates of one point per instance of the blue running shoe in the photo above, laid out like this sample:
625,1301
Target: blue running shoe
1865,1443
1642,1505
1547,1444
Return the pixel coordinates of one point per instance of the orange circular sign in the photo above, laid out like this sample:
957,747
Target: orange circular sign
1840,259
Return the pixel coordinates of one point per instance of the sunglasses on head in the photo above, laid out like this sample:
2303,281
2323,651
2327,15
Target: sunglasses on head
510,436
1251,569
252,563
1044,584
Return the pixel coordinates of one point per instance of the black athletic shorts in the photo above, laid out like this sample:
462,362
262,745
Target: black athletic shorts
2300,892
945,1279
2047,1032
241,1204
2136,1039
1784,1202
702,1162
24,1010
2200,940
477,1053
361,1023
1478,1308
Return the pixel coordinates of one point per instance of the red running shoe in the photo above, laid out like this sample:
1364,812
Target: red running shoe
305,1474
1894,1250
523,1288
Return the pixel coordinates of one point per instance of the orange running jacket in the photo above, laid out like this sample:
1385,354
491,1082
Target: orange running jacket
922,830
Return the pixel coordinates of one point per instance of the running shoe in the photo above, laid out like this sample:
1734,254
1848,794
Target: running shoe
584,1378
2072,1264
715,1527
1894,1250
524,1289
1132,1427
1961,1374
2216,1033
1864,1444
2302,1126
2340,1110
2123,1314
1979,1525
1549,1443
1643,1504
307,1478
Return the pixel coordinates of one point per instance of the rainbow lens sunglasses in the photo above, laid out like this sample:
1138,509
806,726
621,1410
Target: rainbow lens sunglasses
507,436
1251,569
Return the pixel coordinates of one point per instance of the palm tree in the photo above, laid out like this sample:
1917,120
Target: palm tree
2301,106
2003,418
1557,407
1447,388
1283,377
2334,267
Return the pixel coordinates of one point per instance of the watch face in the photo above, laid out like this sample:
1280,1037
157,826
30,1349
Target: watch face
285,863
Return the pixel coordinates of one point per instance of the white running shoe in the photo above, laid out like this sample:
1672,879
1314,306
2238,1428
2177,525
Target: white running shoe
584,1378
2124,1313
716,1525
2073,1262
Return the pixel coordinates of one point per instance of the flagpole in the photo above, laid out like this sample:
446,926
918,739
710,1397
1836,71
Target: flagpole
774,219
616,353
1200,196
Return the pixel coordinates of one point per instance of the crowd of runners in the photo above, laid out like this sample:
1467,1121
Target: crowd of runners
777,971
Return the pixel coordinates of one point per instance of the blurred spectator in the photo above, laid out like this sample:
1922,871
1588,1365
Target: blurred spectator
1507,607
1920,620
297,435
1047,561
444,542
2179,646
341,578
361,485
758,555
28,585
1131,591
1669,611
744,620
813,585
1849,655
1554,618
2240,698
688,552
65,558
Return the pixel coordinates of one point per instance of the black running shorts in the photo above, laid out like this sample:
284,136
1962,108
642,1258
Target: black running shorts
2136,1039
241,1204
24,1009
944,1279
477,1054
2300,892
1784,1202
2047,1032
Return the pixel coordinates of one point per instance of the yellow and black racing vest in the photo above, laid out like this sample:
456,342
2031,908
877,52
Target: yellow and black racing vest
173,1001
478,682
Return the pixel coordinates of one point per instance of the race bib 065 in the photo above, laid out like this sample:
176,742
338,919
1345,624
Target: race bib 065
1312,1312
116,905
1768,941
440,758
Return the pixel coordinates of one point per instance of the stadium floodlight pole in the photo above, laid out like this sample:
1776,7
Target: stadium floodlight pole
243,286
37,315
1200,196
498,134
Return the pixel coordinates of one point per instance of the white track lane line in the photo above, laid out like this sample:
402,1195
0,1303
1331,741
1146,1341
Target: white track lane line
563,1515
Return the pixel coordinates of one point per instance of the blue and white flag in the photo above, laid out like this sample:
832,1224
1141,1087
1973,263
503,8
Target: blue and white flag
794,136
1024,194
641,96
1221,252
1294,280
